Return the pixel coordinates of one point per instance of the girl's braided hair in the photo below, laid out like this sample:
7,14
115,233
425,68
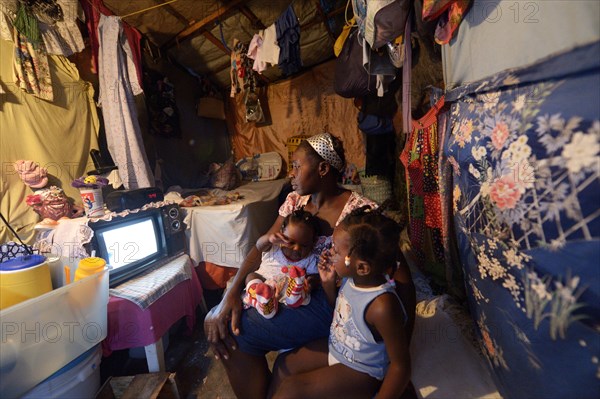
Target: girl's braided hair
374,237
302,216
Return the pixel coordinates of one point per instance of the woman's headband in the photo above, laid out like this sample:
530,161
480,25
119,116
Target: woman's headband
323,145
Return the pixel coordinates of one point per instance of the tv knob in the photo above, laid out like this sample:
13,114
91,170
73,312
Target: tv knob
173,213
176,225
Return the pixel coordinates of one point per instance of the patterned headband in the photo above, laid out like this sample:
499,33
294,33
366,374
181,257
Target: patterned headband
323,145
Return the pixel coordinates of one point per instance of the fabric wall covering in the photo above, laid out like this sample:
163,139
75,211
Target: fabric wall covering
490,37
57,134
525,150
305,104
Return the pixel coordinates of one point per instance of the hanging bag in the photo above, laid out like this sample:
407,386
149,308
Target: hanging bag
373,124
254,112
351,79
385,20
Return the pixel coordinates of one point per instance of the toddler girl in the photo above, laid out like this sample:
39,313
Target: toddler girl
295,256
367,354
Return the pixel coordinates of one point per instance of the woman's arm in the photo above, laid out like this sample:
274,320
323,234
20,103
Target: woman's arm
263,244
230,307
386,316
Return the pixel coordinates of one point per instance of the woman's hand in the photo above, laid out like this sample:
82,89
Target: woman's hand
216,326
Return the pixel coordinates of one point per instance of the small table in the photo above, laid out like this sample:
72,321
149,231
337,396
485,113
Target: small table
223,234
131,326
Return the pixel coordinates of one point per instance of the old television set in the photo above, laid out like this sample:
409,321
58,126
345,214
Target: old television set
140,241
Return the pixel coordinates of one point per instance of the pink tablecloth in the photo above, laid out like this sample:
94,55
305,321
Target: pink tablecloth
130,326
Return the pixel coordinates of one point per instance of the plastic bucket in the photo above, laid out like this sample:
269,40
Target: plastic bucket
23,278
79,379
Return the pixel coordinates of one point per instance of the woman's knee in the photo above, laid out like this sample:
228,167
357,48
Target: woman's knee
290,387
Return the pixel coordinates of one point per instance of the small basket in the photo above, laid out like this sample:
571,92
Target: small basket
376,188
293,143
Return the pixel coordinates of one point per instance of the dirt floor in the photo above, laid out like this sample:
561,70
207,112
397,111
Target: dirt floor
198,374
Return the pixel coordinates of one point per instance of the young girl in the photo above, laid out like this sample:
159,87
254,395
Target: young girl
368,353
283,269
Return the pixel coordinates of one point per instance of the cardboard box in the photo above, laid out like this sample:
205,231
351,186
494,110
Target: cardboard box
209,107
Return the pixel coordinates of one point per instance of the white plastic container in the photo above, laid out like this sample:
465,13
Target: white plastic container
80,379
41,335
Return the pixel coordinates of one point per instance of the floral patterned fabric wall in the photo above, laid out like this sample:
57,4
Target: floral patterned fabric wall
525,150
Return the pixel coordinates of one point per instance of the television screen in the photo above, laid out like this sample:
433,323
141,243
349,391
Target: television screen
136,242
130,242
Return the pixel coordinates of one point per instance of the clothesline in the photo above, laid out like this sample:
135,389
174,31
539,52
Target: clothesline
149,8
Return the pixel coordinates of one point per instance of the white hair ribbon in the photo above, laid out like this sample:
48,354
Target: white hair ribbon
323,145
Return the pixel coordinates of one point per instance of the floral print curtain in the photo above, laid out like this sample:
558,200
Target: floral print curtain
525,153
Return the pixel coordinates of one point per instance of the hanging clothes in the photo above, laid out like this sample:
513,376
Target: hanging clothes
269,51
237,82
94,9
162,107
243,76
118,86
30,61
420,159
288,39
450,14
454,273
30,68
60,36
254,53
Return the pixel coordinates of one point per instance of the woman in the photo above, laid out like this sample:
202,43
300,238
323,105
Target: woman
241,339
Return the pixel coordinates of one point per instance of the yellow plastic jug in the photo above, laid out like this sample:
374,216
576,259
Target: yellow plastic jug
23,278
89,266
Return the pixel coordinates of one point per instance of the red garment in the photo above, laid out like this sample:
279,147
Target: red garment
450,14
93,9
420,158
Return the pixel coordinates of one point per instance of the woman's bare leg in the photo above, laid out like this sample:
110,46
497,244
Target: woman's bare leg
337,381
307,358
249,375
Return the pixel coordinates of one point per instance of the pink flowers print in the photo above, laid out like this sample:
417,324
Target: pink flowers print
500,134
463,133
505,192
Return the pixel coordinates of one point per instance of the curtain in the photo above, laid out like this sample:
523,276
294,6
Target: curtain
524,146
58,135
